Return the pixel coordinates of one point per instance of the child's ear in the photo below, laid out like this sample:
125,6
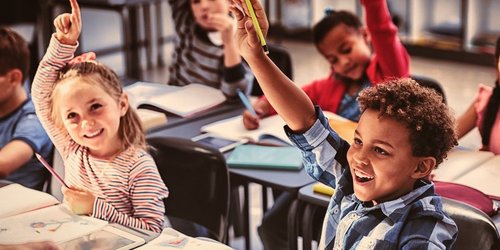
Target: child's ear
15,76
366,35
424,167
123,104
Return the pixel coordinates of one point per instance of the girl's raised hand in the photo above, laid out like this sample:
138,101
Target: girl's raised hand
68,26
246,36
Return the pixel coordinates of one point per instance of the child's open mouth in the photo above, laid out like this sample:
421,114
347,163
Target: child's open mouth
362,177
94,134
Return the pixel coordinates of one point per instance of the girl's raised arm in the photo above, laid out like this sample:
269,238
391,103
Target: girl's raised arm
290,102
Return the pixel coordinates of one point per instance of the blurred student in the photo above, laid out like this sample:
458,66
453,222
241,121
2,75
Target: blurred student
205,50
21,134
359,57
383,199
87,115
484,113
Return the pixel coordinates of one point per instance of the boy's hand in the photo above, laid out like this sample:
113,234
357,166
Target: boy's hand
68,26
247,40
80,201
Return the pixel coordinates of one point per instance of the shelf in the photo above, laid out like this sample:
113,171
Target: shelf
453,55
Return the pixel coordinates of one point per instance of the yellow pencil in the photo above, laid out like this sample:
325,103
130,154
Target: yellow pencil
257,26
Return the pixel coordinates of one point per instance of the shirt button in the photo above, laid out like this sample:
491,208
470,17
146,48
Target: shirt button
335,210
371,242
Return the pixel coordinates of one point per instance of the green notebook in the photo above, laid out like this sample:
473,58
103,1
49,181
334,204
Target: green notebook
265,157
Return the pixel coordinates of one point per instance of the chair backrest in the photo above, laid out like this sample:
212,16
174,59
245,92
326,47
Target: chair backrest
430,83
280,56
198,180
475,228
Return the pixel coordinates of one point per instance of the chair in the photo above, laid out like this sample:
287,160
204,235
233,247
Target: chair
430,83
280,56
198,180
475,228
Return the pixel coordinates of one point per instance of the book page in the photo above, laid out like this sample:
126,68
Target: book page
182,101
233,128
188,100
141,91
55,223
174,240
150,118
18,199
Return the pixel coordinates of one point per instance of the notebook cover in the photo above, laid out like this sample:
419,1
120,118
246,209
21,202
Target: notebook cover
265,157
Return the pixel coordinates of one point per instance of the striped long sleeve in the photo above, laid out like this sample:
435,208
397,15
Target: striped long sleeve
128,188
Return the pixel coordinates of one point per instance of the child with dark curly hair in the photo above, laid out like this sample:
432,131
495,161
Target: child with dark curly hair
383,199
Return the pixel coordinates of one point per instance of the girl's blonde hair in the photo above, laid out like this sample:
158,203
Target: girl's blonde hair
130,131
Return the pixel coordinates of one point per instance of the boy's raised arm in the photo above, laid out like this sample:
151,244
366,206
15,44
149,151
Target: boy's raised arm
290,102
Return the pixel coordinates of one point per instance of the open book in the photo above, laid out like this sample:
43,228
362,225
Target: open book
272,127
31,215
182,101
233,128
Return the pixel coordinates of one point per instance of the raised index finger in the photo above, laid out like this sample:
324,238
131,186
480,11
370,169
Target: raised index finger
75,9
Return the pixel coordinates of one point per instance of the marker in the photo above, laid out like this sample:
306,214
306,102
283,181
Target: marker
51,170
257,26
246,102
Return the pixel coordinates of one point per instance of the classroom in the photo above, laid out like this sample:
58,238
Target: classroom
217,152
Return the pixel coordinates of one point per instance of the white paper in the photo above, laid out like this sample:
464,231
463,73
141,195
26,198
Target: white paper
233,128
183,101
18,199
172,239
55,223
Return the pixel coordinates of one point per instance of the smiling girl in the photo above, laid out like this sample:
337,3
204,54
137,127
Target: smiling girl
86,113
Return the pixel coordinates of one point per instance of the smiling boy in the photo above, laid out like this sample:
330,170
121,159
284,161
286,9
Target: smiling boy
382,198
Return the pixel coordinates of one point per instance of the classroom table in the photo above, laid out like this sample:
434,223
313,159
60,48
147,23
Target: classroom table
289,181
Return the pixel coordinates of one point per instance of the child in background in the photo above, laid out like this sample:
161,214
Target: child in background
382,198
205,50
484,113
21,134
359,57
86,113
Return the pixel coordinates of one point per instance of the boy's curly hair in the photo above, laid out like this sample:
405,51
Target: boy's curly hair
420,109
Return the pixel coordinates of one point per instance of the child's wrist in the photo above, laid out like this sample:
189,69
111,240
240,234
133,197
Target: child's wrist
65,41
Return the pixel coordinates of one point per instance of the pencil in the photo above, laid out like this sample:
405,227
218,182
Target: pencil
257,26
246,102
51,170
